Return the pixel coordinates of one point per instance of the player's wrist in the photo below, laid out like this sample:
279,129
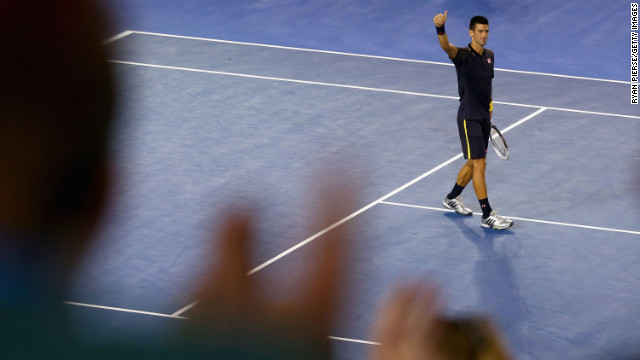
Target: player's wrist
440,29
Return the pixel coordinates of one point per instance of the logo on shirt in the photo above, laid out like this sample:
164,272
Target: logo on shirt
489,60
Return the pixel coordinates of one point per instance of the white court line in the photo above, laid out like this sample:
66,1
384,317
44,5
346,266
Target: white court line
354,340
185,309
117,37
214,72
174,316
366,56
353,215
124,310
521,121
306,82
520,218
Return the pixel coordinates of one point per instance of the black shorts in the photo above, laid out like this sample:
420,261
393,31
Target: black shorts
474,137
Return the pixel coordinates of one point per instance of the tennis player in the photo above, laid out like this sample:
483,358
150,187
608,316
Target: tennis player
474,68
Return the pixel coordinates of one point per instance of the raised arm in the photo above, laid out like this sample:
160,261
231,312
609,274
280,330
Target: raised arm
449,48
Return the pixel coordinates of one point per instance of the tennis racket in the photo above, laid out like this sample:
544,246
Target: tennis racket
498,142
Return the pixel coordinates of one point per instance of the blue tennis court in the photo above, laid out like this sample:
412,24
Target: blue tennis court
206,123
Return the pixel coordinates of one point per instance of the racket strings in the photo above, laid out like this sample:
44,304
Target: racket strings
499,144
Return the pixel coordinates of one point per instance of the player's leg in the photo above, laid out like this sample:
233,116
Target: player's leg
465,174
453,200
474,136
478,132
479,184
490,217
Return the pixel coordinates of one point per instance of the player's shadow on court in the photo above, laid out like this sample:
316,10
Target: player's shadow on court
495,278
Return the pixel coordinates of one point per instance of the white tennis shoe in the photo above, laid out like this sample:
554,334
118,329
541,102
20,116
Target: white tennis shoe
496,221
456,205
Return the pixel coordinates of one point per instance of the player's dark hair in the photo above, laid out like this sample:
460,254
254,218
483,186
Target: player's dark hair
478,19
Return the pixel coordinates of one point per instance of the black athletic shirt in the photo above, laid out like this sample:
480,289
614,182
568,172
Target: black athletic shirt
475,73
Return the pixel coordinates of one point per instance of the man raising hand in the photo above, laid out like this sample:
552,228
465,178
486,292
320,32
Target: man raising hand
474,69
